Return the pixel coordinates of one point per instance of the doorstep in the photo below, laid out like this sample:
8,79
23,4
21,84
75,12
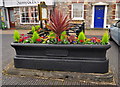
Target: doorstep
92,78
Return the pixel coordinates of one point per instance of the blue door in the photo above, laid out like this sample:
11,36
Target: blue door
99,16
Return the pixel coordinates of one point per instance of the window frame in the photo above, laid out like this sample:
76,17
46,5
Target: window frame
116,12
77,18
26,17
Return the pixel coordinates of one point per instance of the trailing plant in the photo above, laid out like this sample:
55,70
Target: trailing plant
35,37
16,36
105,38
58,22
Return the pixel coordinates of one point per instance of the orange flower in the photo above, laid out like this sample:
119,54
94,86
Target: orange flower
98,40
88,39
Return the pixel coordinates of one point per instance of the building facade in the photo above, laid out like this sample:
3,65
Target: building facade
22,14
94,14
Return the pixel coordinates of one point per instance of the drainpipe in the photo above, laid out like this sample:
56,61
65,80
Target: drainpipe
5,16
54,5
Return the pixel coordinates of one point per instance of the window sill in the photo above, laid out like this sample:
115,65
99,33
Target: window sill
77,19
29,23
117,19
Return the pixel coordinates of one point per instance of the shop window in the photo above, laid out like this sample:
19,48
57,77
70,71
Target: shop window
118,11
29,15
77,11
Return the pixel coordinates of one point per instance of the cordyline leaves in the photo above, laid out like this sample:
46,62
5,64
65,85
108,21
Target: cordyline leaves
58,22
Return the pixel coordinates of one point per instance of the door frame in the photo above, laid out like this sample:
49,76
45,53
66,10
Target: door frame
9,9
105,13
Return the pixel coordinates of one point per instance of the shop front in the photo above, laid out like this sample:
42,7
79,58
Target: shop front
24,14
1,4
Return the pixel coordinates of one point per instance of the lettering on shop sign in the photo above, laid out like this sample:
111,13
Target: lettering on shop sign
27,2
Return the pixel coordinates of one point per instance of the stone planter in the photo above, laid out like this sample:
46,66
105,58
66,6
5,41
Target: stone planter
61,57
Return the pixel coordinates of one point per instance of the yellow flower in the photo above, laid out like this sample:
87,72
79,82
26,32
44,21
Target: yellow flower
88,39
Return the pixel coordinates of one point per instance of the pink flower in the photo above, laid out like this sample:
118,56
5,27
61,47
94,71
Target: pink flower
94,38
38,40
59,40
57,37
25,38
81,41
20,40
22,34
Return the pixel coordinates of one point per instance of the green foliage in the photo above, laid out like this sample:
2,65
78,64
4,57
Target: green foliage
105,38
37,27
26,41
65,41
81,36
51,35
44,42
63,35
16,36
33,29
35,36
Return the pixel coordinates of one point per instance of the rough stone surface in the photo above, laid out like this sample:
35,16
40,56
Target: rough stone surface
106,78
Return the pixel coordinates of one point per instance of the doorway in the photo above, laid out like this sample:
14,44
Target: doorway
99,16
11,17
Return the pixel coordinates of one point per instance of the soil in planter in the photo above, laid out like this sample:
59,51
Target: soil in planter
91,78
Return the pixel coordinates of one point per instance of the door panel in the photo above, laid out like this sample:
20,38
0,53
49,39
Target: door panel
11,18
99,16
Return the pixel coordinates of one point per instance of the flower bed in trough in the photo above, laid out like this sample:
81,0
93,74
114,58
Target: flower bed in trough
57,51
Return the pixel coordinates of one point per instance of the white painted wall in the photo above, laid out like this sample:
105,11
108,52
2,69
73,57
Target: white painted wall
15,3
1,2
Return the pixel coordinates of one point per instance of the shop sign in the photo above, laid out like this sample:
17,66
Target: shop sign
14,3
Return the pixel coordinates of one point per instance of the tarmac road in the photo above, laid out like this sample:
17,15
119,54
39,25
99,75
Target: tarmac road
8,54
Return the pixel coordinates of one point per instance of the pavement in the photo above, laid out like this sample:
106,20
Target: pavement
8,54
87,32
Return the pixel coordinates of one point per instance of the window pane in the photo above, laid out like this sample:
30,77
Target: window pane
26,9
23,14
27,20
29,15
22,9
77,9
32,20
118,8
23,20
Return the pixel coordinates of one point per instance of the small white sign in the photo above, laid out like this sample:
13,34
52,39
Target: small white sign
44,13
1,2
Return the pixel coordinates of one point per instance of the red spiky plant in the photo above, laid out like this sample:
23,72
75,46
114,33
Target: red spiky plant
58,22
